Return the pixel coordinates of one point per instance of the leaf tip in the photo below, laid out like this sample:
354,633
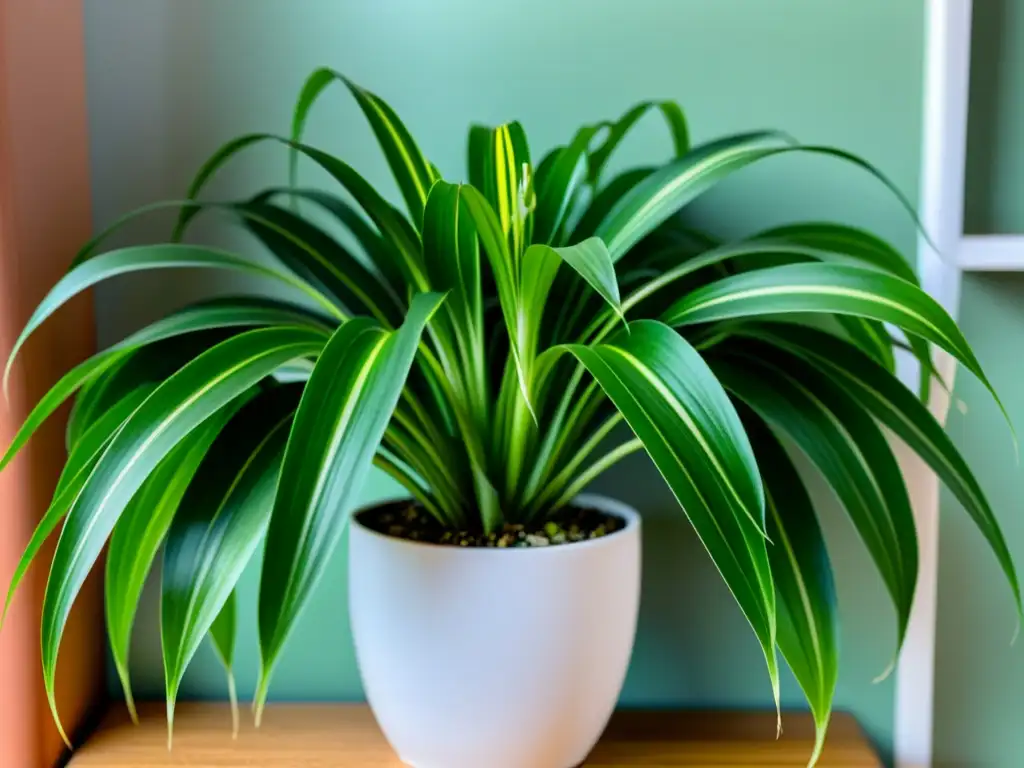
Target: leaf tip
126,684
820,732
52,701
7,380
170,722
881,678
617,308
259,702
233,698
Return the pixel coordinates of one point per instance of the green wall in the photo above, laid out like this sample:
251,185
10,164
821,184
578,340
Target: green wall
980,679
169,80
979,685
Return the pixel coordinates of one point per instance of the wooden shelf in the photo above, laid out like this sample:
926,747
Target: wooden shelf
346,735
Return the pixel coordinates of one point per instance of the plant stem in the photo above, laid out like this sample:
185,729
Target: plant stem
552,486
596,469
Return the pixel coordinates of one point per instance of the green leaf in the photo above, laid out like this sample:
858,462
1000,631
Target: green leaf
831,288
138,535
452,258
864,246
808,620
215,314
222,635
499,170
388,220
885,398
558,184
345,408
868,249
171,412
677,408
478,146
846,445
219,525
754,250
506,279
145,367
872,337
411,169
318,258
380,253
591,261
672,186
144,258
605,200
80,463
617,131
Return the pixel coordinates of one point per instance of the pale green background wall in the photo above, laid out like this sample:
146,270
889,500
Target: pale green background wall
980,683
169,80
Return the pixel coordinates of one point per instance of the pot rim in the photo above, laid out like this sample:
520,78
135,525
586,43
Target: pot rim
597,501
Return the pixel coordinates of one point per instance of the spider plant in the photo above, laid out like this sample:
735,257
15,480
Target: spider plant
483,349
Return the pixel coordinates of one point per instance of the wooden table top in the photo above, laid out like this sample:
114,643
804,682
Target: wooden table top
346,735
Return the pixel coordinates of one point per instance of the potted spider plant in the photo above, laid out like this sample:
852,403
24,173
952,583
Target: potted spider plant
494,348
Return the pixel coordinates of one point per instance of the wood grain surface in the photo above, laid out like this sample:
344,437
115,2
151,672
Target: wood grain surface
346,735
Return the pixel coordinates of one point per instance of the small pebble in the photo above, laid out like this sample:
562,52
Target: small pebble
569,526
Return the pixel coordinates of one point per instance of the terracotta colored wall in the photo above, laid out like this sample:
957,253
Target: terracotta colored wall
44,217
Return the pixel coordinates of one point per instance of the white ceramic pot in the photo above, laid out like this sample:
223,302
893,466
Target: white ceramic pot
494,658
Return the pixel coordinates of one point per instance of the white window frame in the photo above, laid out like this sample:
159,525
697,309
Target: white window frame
944,150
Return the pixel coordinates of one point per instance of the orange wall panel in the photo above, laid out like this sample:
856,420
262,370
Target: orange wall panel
44,218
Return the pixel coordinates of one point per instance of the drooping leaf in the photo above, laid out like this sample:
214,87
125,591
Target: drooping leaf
145,367
672,186
591,261
885,398
381,254
345,408
209,315
677,408
868,249
808,620
149,257
221,521
171,412
411,169
674,117
390,223
864,246
755,251
321,260
667,190
829,288
222,635
851,452
138,535
79,464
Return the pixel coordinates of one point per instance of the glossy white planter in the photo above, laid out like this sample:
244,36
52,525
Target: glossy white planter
494,658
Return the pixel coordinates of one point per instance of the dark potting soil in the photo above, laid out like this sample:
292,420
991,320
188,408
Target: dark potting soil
412,522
